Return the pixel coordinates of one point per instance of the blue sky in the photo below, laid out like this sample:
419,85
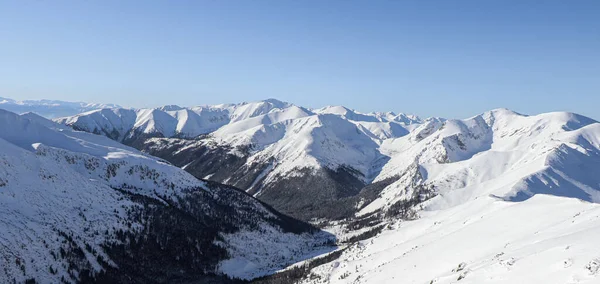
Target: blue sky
444,58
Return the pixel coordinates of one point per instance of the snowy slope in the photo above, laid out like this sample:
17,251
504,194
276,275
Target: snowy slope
315,140
515,201
50,108
545,239
76,205
524,153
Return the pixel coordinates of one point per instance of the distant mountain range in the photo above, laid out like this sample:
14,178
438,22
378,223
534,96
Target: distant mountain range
50,108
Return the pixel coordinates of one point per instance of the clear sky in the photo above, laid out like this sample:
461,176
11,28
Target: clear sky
445,58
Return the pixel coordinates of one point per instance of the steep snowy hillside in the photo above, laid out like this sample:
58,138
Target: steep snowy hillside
77,207
50,108
295,159
545,239
497,198
512,199
529,154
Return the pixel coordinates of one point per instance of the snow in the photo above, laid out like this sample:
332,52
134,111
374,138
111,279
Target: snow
155,121
516,196
248,262
517,202
169,121
50,108
54,180
296,137
40,196
454,154
545,239
524,155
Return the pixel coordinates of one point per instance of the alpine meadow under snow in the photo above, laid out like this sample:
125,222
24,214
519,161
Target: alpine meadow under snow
501,197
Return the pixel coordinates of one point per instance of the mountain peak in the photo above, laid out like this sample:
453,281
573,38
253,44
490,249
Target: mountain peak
277,103
504,111
171,108
339,110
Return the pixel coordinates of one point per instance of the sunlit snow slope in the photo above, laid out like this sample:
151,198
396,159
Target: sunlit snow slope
76,206
516,201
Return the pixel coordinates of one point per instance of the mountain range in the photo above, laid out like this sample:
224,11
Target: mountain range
265,148
50,108
78,207
500,197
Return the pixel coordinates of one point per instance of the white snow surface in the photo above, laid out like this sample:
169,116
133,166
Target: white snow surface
517,155
545,239
517,202
53,179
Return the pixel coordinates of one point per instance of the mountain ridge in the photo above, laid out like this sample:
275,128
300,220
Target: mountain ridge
395,190
332,154
80,207
50,108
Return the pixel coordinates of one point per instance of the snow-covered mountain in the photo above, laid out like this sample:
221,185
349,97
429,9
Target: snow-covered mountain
50,108
501,197
262,147
497,198
514,199
78,207
174,121
337,163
